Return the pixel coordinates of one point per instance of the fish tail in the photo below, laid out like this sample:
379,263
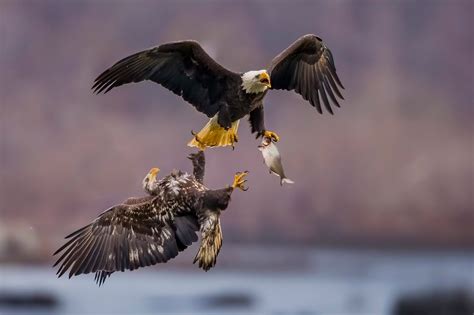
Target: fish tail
286,180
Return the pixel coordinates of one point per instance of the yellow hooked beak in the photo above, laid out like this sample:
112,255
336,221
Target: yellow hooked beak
265,79
152,174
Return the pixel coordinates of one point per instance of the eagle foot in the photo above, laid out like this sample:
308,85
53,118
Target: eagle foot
239,181
271,135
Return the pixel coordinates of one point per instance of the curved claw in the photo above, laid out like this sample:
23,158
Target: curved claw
195,135
239,181
235,139
271,135
201,146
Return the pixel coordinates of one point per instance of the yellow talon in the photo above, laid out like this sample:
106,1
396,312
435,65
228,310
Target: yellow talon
236,138
271,135
200,145
239,180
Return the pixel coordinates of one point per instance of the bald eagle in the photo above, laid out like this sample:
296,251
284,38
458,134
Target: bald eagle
153,229
306,66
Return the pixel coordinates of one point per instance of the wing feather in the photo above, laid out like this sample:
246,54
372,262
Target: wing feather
322,90
182,67
334,86
330,93
314,93
186,228
68,243
127,236
91,258
307,67
69,260
82,255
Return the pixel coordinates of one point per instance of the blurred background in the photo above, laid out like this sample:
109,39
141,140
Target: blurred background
380,220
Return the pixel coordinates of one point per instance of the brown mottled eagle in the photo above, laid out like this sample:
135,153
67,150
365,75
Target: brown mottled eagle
145,231
306,66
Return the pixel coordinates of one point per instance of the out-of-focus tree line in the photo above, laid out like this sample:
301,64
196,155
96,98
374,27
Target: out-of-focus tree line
392,167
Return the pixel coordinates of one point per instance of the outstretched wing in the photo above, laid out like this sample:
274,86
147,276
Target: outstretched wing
307,67
125,237
182,67
186,228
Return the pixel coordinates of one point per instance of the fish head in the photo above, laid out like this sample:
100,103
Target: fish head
265,143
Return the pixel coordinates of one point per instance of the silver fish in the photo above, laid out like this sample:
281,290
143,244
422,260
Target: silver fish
272,159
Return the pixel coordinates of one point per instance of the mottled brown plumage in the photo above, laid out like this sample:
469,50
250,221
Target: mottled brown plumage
153,229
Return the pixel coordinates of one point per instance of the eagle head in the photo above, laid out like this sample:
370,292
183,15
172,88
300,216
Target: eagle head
150,182
256,81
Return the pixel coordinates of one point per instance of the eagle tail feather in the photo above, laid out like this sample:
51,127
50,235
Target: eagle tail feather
213,135
211,244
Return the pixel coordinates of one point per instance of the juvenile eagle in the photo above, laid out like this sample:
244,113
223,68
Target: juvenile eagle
145,231
306,66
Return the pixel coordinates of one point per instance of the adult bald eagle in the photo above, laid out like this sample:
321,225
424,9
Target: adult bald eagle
145,231
306,66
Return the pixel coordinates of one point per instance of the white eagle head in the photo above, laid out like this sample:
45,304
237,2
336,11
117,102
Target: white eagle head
150,182
256,81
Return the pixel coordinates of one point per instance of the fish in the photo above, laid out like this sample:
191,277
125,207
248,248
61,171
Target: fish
272,159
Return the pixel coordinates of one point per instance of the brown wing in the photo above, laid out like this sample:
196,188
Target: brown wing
136,200
307,67
186,227
125,237
182,67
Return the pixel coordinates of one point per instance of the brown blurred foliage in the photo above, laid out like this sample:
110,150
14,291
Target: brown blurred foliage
392,167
